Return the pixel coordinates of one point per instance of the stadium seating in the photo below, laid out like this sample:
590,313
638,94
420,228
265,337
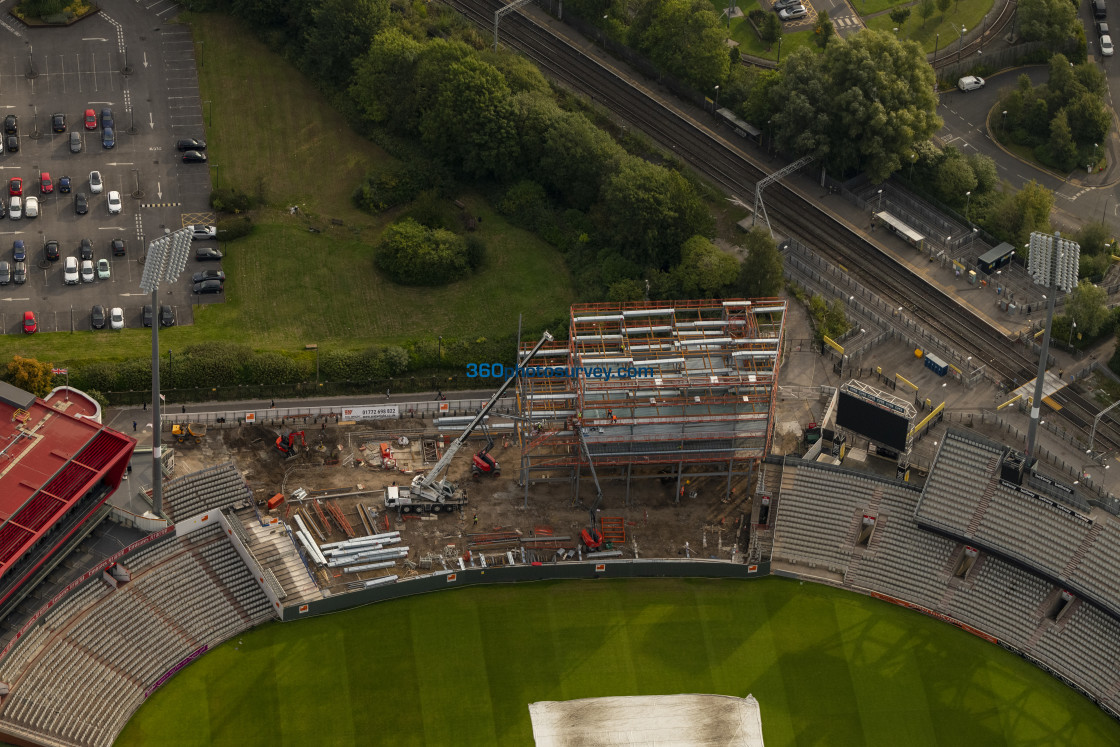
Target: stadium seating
185,593
206,490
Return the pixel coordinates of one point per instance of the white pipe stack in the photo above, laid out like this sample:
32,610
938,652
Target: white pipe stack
369,567
312,548
386,536
390,554
380,581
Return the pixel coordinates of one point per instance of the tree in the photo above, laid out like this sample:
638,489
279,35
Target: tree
1094,238
760,273
824,28
340,32
925,9
1062,149
1089,119
984,168
684,38
413,254
41,8
30,375
384,80
771,30
900,14
1087,306
943,6
954,178
576,156
1054,22
704,271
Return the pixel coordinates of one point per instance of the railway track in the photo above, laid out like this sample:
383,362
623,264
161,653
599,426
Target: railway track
1080,411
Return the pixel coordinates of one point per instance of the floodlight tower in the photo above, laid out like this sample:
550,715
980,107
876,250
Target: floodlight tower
167,256
1053,263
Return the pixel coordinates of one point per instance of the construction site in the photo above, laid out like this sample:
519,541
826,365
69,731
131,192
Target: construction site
638,436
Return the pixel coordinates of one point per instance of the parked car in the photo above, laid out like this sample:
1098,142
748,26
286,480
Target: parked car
64,185
194,156
116,318
793,12
15,207
102,269
81,203
208,275
97,317
85,249
108,139
191,144
107,119
146,315
95,183
15,186
75,142
166,316
970,83
90,119
117,247
5,272
783,4
11,124
12,143
46,186
1106,46
19,273
58,122
30,325
1102,28
208,286
52,250
204,253
19,251
87,271
114,202
31,207
202,233
70,271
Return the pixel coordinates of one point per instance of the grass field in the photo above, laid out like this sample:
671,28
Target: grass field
460,668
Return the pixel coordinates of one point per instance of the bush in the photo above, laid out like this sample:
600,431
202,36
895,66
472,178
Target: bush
526,205
398,183
234,228
230,200
476,252
432,211
412,254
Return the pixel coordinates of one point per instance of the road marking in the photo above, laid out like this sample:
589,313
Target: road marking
116,163
145,59
161,204
159,194
94,39
151,122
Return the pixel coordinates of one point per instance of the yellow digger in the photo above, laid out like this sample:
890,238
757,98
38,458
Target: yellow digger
192,432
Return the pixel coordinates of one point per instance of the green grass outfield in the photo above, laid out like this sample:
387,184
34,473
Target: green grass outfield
457,668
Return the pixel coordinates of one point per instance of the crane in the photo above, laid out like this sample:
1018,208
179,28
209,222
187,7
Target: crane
432,491
592,537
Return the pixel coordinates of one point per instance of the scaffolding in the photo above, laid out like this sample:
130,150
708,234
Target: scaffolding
654,389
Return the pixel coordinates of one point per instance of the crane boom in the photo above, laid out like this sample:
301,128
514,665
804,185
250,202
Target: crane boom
424,483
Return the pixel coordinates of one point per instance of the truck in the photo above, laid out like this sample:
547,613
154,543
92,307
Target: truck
191,432
431,492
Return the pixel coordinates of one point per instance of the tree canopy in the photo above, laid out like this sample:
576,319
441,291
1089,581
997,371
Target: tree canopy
30,375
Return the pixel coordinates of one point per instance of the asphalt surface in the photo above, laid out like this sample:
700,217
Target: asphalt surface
126,58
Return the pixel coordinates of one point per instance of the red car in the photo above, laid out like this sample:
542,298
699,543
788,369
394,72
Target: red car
30,326
91,119
46,186
15,186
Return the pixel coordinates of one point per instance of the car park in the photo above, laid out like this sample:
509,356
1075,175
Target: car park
30,324
201,233
793,12
194,156
15,207
15,186
90,119
102,269
46,186
108,139
116,317
117,247
51,250
85,249
19,273
95,183
31,207
1106,46
70,271
81,203
5,272
970,83
19,251
208,286
206,254
114,202
208,275
64,185
191,143
146,315
11,124
58,122
75,142
97,317
87,271
166,316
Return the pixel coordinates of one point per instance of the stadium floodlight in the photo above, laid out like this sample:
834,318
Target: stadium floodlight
1053,262
166,259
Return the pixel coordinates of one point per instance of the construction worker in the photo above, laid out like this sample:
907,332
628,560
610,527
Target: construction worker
476,519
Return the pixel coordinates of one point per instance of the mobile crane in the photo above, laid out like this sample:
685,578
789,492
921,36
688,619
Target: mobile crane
431,492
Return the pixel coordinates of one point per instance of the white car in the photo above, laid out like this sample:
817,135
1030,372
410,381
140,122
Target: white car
102,269
87,271
95,183
789,14
15,208
202,233
116,318
70,271
970,83
114,203
31,207
1106,46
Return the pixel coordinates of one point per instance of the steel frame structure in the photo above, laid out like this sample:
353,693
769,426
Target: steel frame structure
652,388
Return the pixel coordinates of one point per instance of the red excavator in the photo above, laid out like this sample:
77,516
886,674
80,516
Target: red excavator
287,444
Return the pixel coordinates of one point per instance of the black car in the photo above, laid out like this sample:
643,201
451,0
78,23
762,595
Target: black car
117,247
205,253
1102,28
11,124
97,317
193,156
81,203
208,286
108,139
19,273
52,250
202,277
64,184
86,250
13,143
146,315
166,316
106,119
58,122
191,144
